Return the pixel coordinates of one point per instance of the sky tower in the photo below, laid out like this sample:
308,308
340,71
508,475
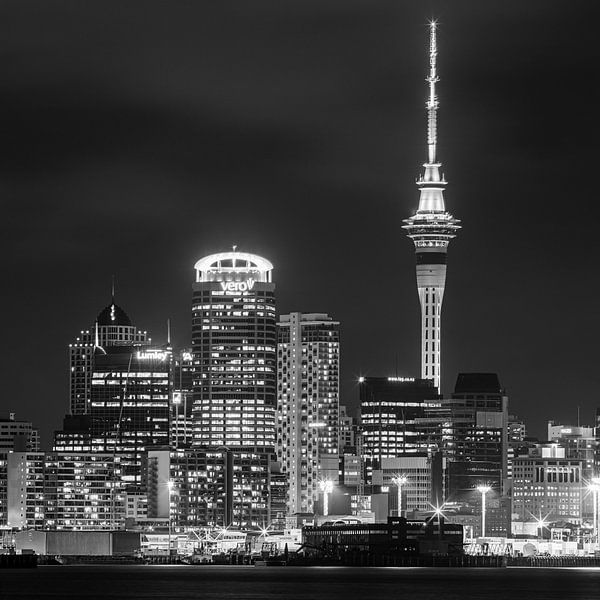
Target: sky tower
431,228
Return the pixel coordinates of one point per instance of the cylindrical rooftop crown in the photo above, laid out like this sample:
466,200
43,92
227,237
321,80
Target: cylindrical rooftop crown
231,266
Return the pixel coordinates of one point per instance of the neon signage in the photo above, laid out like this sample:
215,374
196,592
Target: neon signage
237,286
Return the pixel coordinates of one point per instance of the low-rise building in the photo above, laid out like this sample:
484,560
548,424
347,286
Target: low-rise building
547,487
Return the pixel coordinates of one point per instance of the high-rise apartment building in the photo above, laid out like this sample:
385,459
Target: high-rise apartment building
112,328
431,229
308,355
65,491
234,343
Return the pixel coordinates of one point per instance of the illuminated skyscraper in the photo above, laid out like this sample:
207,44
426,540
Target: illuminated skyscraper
308,352
234,342
130,404
112,328
431,228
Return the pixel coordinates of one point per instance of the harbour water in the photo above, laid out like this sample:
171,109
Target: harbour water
146,582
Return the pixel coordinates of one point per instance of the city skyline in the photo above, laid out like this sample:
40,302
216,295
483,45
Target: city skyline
198,170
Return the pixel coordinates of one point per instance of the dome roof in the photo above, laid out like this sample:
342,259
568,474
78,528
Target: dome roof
113,315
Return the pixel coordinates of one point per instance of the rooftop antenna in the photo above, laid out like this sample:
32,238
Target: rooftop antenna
432,101
168,332
112,290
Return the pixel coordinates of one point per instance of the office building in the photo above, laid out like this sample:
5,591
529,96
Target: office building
234,342
479,423
579,443
15,436
129,408
348,426
112,328
517,442
308,354
547,487
389,411
416,487
471,428
130,404
431,229
182,399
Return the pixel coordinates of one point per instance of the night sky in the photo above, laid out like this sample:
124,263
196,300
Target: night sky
137,137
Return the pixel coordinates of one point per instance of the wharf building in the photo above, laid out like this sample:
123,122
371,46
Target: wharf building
234,341
308,355
431,229
112,328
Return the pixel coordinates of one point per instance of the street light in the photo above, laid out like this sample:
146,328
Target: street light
541,523
595,489
326,486
170,486
400,480
483,490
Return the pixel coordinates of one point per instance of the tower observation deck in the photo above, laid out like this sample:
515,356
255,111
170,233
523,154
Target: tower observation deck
431,229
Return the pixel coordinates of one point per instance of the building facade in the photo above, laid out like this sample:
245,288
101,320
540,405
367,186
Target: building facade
431,229
308,355
234,343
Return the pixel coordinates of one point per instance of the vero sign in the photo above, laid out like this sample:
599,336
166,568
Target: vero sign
237,286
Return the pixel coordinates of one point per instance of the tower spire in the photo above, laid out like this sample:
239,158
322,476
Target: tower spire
432,101
112,290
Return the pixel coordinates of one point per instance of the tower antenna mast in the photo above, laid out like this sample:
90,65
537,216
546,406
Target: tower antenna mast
432,101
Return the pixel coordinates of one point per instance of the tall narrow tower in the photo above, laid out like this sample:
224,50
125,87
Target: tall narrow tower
431,228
